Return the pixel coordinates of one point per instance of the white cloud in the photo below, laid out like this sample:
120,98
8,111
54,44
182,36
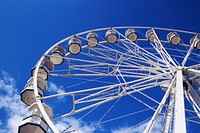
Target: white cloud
140,128
16,110
54,88
14,121
78,125
11,103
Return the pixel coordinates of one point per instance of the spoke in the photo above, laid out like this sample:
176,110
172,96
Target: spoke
134,113
153,119
140,48
100,55
193,71
193,104
129,55
87,107
81,91
116,93
193,98
108,86
142,102
85,80
188,110
161,50
189,51
80,118
195,66
169,113
196,122
109,110
124,90
85,61
109,75
175,54
131,85
102,102
92,65
94,95
106,52
116,118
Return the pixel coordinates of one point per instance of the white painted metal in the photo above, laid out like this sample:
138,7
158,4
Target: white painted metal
189,52
195,101
158,110
196,110
169,113
162,51
196,72
39,103
137,63
138,48
179,111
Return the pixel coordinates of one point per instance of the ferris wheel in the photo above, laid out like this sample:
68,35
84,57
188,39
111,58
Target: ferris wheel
117,75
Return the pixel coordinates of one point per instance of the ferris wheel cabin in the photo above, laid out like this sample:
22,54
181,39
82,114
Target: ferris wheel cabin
57,54
27,94
35,123
131,35
111,36
92,39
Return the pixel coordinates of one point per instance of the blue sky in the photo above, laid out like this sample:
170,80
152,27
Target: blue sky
28,28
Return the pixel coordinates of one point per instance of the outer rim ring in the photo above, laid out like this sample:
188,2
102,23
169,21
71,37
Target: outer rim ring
37,96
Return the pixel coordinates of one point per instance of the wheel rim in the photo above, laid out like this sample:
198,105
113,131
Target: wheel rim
118,70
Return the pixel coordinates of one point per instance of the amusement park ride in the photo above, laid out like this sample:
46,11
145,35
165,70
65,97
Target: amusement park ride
135,59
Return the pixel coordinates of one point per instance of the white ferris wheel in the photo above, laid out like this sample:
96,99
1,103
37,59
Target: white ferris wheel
117,75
